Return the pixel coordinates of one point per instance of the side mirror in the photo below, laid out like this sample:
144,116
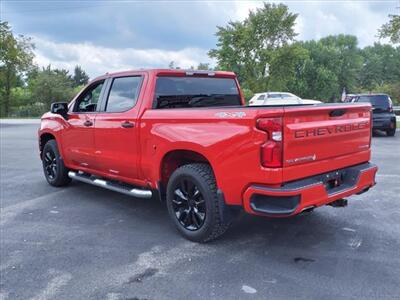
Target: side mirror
60,108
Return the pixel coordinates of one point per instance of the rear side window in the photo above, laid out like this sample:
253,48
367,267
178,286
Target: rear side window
287,96
261,97
123,93
275,96
379,101
184,92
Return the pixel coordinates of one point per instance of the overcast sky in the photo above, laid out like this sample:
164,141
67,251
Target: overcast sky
106,36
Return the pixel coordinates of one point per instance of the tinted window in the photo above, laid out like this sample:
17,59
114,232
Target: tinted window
274,96
175,92
87,102
261,97
123,94
380,101
287,96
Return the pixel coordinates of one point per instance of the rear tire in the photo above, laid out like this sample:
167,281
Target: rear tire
193,203
391,132
53,166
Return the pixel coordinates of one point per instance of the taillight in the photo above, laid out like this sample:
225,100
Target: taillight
390,105
272,149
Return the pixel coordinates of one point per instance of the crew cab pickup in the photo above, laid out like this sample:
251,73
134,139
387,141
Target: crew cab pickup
187,138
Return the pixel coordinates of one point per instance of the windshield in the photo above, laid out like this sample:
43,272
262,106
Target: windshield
178,92
378,101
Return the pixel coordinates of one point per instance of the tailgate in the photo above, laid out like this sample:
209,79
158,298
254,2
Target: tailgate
323,132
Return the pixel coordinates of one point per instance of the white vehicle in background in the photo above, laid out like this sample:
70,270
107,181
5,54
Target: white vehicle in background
279,98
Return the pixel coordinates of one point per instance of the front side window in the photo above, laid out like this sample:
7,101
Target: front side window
88,101
123,94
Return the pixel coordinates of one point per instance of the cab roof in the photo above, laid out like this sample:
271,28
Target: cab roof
171,72
367,94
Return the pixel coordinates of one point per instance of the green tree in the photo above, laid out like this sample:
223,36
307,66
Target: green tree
203,66
347,59
171,65
381,64
80,77
391,29
254,48
16,55
284,66
51,85
333,63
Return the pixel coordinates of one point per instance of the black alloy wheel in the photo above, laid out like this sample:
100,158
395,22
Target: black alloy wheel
50,163
53,166
194,205
189,204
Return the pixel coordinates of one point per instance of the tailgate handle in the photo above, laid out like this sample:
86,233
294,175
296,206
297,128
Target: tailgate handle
337,112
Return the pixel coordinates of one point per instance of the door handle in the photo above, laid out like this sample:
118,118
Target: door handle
127,124
88,123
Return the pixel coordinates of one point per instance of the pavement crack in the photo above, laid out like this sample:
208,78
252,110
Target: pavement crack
303,259
139,277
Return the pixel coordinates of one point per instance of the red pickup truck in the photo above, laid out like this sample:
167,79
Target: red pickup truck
186,137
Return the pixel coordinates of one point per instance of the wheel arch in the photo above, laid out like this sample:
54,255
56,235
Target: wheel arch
43,139
174,159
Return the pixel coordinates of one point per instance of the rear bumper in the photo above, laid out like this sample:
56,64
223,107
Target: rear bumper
384,121
296,196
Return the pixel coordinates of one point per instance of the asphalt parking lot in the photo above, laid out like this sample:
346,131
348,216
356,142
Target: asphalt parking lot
83,242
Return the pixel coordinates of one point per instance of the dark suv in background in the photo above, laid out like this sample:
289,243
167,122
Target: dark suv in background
382,109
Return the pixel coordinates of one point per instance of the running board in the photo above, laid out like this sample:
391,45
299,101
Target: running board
87,178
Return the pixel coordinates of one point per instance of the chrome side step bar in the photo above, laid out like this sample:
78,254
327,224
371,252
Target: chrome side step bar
87,178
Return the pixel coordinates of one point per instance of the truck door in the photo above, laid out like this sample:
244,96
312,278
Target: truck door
116,128
78,137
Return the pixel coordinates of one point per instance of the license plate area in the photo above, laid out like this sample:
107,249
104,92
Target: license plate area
334,180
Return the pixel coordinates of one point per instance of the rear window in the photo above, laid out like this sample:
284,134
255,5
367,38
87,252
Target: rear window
380,101
184,92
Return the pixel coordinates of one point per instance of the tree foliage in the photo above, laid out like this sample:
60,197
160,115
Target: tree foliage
51,85
391,29
80,77
333,63
26,90
203,66
381,64
15,58
255,48
262,51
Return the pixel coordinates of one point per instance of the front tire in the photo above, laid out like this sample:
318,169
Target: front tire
193,203
53,166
